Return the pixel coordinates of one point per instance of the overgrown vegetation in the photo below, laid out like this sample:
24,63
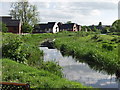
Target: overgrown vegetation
3,27
96,50
115,26
26,65
17,72
114,29
102,50
16,49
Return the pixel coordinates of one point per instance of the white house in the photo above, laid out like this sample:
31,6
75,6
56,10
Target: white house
50,27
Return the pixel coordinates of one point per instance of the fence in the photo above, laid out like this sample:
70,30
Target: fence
14,86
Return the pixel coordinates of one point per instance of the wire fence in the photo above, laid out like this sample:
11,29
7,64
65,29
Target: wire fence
14,86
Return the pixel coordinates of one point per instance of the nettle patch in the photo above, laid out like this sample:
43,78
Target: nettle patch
12,49
15,48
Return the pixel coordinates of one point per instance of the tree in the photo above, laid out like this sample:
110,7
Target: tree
3,28
84,28
25,12
115,26
27,28
105,30
100,24
68,22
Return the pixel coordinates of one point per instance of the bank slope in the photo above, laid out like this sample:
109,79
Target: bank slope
20,73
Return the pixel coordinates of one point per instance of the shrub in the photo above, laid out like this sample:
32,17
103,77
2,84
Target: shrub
12,50
3,28
26,28
115,26
33,55
15,48
63,47
95,37
108,47
52,67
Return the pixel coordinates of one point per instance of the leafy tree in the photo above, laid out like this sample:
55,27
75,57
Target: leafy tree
100,24
68,22
27,28
115,26
105,30
3,27
84,28
27,13
88,28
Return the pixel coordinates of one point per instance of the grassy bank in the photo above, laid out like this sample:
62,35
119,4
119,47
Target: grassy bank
26,65
96,50
16,72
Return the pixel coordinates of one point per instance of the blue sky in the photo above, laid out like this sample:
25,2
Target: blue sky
83,12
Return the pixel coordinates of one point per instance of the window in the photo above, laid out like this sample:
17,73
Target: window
56,29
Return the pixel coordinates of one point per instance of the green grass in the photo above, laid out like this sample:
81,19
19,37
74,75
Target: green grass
101,50
96,50
17,72
26,63
25,49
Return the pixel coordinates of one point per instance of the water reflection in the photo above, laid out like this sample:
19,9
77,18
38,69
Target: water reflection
94,65
80,71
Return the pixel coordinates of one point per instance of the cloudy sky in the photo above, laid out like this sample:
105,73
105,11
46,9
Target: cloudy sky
83,12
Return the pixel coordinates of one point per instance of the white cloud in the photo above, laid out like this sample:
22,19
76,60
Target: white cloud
95,12
83,12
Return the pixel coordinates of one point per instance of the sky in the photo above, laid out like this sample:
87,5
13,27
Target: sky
83,12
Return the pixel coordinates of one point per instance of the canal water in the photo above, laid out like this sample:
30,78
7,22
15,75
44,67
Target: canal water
80,72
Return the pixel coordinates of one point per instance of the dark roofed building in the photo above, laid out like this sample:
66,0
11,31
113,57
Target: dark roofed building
50,27
13,25
69,27
99,27
50,24
39,28
79,27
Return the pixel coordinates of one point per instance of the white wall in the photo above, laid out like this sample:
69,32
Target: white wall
54,28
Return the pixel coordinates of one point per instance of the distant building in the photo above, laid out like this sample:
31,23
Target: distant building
14,26
98,27
50,27
69,27
79,27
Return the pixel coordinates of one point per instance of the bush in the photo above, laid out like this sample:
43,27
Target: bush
108,47
12,50
3,28
52,67
15,48
115,26
95,37
26,28
63,47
